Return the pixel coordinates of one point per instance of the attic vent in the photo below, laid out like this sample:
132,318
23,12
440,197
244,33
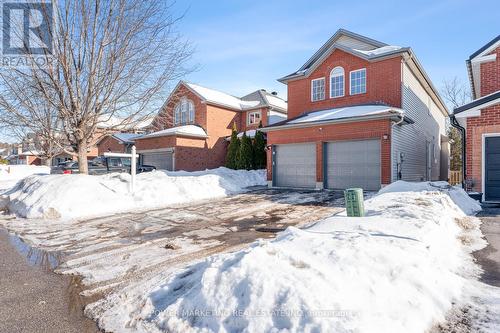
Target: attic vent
274,93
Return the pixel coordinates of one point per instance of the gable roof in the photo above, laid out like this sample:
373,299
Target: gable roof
254,100
478,104
350,42
369,50
474,62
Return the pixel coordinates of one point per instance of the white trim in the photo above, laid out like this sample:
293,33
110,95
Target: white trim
343,81
476,111
350,82
488,50
483,169
158,150
254,112
312,90
479,60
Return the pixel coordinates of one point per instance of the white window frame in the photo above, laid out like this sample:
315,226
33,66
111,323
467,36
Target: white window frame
332,75
253,113
350,81
184,109
312,89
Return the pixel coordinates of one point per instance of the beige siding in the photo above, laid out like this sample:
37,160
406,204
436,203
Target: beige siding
414,140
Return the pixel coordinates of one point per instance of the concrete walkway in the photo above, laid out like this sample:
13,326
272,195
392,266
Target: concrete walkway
35,300
489,257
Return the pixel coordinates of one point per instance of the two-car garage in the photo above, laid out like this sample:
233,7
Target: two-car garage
355,163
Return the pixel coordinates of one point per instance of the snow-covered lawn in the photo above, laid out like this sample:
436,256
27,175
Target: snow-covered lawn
399,269
77,196
11,174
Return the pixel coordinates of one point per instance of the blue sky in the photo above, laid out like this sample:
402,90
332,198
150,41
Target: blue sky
245,45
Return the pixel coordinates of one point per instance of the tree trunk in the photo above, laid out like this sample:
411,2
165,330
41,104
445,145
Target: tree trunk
48,161
82,158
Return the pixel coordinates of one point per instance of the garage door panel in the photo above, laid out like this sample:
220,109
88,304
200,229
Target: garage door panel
295,165
353,164
161,160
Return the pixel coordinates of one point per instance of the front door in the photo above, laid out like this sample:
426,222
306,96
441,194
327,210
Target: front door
492,168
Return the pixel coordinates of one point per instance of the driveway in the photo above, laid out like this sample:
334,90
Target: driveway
489,257
116,251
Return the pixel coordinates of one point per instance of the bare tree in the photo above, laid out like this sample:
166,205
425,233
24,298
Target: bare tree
29,118
111,63
455,93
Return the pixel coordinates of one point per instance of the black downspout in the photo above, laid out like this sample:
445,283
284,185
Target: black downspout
454,123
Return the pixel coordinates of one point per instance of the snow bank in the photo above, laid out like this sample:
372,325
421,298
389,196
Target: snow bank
468,205
396,270
74,196
11,174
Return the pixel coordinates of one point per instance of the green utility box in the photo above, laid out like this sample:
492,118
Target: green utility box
354,203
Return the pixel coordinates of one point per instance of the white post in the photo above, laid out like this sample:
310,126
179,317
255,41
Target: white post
133,168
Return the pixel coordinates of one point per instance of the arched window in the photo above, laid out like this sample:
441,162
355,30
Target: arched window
184,112
337,82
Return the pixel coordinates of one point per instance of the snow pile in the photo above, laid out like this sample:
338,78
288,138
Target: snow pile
11,174
396,270
74,196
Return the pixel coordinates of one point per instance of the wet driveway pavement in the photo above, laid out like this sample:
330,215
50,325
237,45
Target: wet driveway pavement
111,252
489,257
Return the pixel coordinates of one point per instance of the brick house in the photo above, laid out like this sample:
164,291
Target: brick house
360,113
479,120
194,123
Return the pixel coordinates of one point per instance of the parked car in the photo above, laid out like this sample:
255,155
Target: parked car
101,165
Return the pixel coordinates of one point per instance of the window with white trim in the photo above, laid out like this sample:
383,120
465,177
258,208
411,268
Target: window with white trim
254,118
337,82
358,81
184,112
318,89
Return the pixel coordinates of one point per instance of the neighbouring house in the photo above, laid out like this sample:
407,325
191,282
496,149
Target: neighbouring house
194,123
117,143
479,120
361,113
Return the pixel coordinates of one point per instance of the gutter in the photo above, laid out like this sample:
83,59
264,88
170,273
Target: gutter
454,123
333,121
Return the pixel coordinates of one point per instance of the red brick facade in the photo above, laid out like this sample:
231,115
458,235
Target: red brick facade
383,84
487,123
490,75
191,153
110,144
375,129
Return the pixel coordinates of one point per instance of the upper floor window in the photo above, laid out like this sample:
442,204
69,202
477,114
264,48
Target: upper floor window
337,82
358,81
318,89
254,118
184,112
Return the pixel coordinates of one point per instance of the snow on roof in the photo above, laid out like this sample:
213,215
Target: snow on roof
186,130
346,112
126,137
379,51
276,101
218,97
275,117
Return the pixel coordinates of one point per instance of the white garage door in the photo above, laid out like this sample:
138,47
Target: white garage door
353,164
161,160
295,165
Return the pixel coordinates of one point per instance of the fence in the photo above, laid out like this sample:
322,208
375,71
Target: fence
455,177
